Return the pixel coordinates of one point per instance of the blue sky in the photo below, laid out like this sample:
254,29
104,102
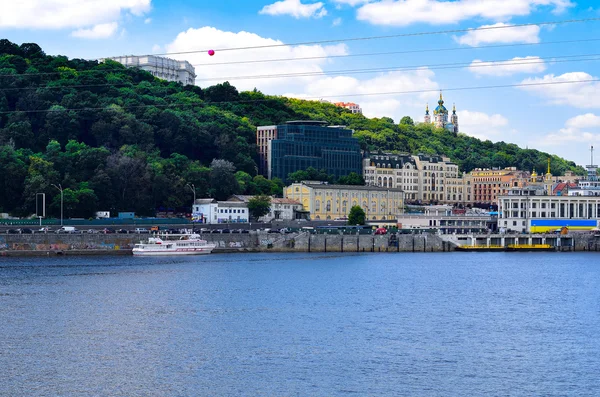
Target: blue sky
562,119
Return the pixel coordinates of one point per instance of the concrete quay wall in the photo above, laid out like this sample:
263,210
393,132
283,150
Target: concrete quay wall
42,244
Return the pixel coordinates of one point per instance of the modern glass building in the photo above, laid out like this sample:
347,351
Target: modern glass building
303,144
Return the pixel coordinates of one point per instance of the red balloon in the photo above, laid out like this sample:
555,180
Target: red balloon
211,52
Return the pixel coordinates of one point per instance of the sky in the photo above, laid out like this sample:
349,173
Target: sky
562,119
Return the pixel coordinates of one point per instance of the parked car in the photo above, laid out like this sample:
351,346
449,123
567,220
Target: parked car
44,230
122,231
141,230
67,229
13,231
93,231
107,230
236,231
225,231
244,231
26,231
381,230
215,231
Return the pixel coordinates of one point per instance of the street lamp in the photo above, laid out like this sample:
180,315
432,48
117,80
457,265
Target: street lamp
59,187
193,189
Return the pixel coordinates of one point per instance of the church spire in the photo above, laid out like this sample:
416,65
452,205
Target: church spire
454,108
427,109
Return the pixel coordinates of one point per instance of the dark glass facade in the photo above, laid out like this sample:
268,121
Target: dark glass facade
312,144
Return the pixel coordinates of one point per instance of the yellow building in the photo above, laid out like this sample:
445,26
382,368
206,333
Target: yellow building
330,202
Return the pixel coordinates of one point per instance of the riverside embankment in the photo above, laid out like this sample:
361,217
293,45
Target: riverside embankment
121,244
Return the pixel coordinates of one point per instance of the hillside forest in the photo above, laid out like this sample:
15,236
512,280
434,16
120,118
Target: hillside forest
120,139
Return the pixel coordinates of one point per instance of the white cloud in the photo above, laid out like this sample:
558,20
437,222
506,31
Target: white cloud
295,8
188,41
337,22
406,12
483,35
148,20
59,14
156,48
588,120
395,105
579,132
579,95
303,87
483,126
352,3
529,64
100,31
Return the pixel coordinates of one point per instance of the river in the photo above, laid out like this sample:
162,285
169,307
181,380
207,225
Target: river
448,324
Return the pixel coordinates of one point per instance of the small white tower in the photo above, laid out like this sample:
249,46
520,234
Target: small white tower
427,116
454,118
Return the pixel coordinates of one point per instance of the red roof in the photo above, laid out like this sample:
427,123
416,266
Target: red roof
561,186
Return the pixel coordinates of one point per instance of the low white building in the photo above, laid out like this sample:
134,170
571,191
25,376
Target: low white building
212,212
282,209
161,67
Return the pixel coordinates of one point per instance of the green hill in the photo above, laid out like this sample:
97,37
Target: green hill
121,139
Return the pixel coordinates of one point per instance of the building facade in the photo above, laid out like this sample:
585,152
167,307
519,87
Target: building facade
264,136
488,184
298,145
330,202
423,178
539,213
282,209
353,107
161,67
210,211
441,118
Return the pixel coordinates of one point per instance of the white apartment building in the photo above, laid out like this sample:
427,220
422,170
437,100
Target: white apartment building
211,211
161,67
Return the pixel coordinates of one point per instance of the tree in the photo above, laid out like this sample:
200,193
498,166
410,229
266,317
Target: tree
351,179
222,179
356,216
407,120
259,206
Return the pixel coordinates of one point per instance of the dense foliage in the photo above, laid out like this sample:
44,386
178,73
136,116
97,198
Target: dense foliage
120,139
259,206
356,216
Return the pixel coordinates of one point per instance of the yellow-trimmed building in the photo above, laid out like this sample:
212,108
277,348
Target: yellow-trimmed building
330,202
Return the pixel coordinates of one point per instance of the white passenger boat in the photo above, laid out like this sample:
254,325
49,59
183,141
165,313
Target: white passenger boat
186,245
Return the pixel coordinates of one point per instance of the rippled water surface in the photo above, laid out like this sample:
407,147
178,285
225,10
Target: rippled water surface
460,324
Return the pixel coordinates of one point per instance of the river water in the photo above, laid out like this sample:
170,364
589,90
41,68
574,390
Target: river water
449,324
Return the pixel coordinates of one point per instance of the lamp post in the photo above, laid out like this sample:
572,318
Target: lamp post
193,189
59,187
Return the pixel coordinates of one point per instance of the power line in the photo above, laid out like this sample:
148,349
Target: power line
313,98
125,69
397,52
482,28
496,63
460,65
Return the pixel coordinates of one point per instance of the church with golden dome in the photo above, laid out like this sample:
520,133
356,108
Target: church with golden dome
440,117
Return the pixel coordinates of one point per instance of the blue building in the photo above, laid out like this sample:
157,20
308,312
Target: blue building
298,145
